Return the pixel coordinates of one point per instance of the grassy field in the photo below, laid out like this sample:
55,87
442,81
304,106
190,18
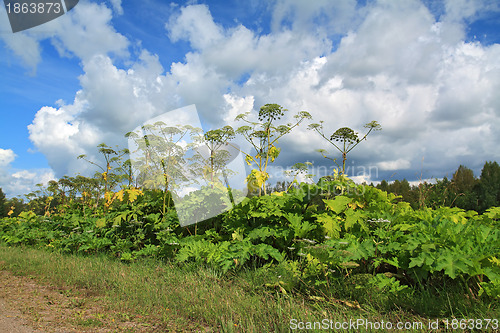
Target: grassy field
167,297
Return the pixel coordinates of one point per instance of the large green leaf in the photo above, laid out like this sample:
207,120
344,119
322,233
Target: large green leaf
330,223
353,217
339,204
424,258
452,265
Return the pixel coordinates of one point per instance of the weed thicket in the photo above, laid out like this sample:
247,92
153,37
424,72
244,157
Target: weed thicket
309,252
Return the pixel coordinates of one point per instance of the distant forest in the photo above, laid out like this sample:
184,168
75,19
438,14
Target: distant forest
463,190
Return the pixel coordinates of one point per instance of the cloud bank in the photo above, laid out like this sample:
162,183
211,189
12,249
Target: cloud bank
405,64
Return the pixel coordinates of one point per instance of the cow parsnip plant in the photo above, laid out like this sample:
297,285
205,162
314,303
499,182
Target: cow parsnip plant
344,140
263,136
161,162
330,240
313,234
213,154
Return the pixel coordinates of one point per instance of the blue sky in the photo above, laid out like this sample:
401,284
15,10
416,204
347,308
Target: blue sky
428,71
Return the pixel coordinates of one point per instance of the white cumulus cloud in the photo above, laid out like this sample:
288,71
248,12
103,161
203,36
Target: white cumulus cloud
434,93
394,165
6,157
84,31
18,182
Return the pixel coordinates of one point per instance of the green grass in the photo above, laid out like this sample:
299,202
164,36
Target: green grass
196,298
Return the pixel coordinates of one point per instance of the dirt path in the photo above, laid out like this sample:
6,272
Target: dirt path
11,321
30,307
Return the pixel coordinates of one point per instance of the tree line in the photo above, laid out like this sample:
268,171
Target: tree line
463,190
162,162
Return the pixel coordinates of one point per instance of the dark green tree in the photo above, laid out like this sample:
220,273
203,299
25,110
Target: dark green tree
3,207
463,189
384,186
436,195
403,189
488,189
16,205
